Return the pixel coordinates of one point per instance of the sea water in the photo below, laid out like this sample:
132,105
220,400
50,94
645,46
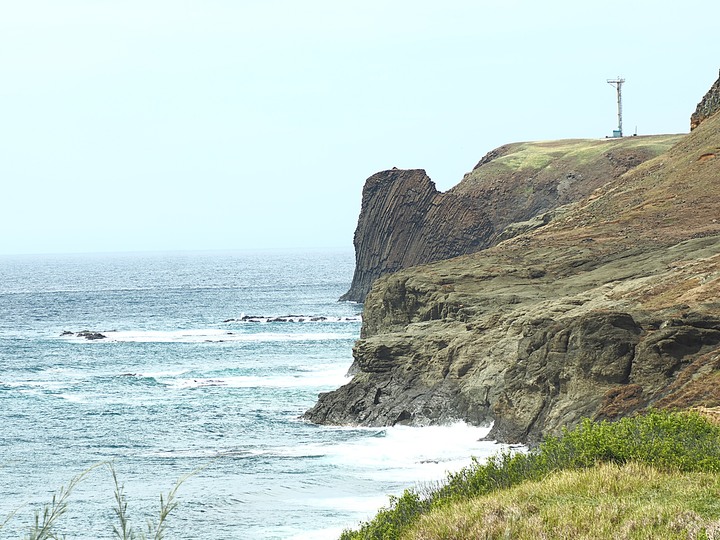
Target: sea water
208,362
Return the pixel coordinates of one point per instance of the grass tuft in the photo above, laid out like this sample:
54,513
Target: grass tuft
46,518
125,531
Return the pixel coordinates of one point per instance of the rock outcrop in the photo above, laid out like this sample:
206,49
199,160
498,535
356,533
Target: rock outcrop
405,221
709,105
611,307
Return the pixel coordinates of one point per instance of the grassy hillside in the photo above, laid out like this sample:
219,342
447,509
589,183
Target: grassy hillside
567,154
606,502
541,175
652,476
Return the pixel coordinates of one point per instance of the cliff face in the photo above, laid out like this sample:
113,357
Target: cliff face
709,105
611,307
405,221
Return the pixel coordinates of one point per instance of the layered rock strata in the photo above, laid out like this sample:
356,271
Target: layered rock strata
709,105
611,307
405,221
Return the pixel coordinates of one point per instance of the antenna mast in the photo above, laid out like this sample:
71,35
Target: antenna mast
617,83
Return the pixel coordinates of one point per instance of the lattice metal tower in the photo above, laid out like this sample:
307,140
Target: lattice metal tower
617,83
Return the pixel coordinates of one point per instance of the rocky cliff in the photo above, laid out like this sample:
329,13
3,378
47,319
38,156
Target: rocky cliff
612,307
405,221
709,105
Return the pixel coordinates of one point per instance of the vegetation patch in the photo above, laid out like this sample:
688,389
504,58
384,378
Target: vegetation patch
605,502
45,525
671,445
576,152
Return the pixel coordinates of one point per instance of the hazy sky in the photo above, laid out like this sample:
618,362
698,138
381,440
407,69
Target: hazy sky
227,124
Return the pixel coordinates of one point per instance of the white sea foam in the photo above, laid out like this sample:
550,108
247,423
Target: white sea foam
415,453
320,534
73,398
160,374
400,455
331,378
213,335
295,319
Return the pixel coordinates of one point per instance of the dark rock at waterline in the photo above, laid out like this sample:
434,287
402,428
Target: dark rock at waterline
90,335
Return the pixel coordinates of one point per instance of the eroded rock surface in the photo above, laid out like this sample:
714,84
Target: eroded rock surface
709,105
611,307
405,221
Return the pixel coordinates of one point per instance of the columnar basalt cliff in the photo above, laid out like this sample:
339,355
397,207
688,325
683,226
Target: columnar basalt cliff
610,308
709,105
405,221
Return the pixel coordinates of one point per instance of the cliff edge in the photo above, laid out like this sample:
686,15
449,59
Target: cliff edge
404,221
610,308
709,105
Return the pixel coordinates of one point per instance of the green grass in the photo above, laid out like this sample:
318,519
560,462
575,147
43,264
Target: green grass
608,501
667,442
540,154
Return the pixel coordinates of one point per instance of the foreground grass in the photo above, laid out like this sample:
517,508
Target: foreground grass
46,519
666,443
632,501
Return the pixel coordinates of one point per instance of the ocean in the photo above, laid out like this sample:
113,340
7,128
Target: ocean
207,364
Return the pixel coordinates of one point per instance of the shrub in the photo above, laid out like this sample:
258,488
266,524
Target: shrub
669,441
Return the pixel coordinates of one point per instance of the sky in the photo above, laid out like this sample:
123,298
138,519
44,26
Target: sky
153,125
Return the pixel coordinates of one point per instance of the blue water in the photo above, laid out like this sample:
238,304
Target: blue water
180,385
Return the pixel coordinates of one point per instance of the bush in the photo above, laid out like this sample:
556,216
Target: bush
669,441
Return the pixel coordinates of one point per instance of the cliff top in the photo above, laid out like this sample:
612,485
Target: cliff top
542,175
406,222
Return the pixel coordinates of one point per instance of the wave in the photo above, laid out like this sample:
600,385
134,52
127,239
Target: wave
73,398
206,335
295,319
414,453
158,374
331,378
409,453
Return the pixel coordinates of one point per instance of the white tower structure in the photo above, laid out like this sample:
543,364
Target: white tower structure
617,83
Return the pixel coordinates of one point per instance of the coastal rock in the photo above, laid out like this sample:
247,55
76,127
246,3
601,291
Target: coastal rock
611,307
404,221
91,335
709,105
